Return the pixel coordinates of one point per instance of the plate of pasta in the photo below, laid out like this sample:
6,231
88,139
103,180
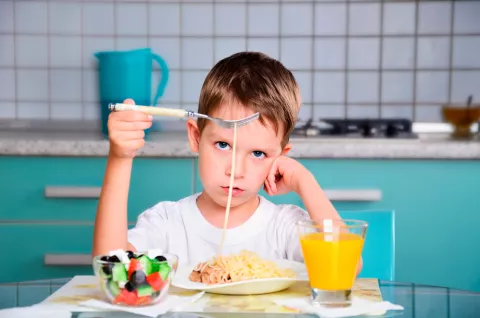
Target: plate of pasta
245,273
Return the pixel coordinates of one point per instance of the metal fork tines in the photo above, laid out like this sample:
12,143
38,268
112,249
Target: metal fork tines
229,123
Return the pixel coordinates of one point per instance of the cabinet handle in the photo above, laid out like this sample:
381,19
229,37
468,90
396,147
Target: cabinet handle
72,192
68,259
354,195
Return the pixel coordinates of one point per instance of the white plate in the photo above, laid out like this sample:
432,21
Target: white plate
247,287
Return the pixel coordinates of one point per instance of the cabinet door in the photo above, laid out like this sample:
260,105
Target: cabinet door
40,251
51,188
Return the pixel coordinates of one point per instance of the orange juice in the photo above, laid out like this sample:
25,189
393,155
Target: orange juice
331,259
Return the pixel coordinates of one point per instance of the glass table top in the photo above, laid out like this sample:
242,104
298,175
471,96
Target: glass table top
419,301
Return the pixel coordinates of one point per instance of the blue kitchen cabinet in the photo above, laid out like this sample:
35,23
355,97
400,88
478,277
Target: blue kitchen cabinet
436,204
45,251
67,188
437,210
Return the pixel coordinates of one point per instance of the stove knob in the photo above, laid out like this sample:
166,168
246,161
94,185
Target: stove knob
391,131
368,131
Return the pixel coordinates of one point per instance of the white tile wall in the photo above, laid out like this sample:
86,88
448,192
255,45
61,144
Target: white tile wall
7,52
433,52
7,84
263,19
398,53
131,19
230,19
6,16
364,19
355,111
363,87
227,46
304,80
363,53
330,19
270,47
31,17
98,18
65,18
292,24
330,53
357,59
329,87
432,86
296,53
31,50
434,17
399,18
164,19
197,19
397,87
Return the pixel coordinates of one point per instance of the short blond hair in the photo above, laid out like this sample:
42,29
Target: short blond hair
256,81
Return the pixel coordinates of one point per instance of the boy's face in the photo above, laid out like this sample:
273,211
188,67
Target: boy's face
256,149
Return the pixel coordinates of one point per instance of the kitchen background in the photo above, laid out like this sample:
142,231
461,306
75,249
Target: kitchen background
351,58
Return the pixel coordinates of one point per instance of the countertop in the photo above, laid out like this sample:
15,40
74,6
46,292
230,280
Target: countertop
175,144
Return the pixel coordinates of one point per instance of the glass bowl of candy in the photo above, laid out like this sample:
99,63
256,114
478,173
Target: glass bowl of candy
135,279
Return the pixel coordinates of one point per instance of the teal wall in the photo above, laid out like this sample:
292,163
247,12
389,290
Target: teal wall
436,203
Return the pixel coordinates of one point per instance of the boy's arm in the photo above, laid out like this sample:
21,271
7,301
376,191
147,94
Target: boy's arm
126,136
111,222
317,203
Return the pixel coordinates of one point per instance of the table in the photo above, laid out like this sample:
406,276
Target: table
419,301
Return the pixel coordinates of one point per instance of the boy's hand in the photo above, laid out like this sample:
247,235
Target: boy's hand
126,131
285,176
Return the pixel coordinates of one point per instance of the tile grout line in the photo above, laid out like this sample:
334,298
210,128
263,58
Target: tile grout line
380,59
214,32
289,36
415,61
181,71
15,69
346,70
313,61
280,9
175,103
82,75
49,63
450,61
246,25
115,33
153,92
326,70
233,1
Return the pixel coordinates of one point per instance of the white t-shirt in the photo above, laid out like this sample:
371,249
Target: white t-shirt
180,228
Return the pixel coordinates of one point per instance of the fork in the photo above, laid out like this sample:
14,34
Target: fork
181,113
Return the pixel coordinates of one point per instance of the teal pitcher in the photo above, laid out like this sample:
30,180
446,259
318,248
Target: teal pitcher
128,74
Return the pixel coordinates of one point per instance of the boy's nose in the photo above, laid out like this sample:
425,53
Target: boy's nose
239,168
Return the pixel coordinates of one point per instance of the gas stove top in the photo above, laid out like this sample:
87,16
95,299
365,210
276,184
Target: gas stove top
355,128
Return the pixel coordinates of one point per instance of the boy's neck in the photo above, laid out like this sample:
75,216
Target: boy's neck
215,214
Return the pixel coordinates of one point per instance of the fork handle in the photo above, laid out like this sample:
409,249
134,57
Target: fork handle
158,111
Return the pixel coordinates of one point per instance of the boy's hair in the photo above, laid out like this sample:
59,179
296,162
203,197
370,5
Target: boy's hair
255,81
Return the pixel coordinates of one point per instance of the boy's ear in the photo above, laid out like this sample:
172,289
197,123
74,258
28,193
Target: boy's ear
193,135
286,149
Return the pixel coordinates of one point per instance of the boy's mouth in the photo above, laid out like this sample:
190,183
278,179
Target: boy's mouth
235,191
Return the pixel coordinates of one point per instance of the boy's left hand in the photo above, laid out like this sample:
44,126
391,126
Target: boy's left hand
285,176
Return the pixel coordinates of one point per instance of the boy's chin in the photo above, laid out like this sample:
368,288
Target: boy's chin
236,201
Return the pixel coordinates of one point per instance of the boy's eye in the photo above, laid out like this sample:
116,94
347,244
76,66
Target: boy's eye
222,145
258,154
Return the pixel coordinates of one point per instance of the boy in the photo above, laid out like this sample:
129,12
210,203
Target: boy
236,87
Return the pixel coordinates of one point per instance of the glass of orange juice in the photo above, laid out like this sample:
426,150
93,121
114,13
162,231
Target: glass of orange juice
332,250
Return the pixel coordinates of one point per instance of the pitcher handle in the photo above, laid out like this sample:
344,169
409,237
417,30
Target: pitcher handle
163,77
